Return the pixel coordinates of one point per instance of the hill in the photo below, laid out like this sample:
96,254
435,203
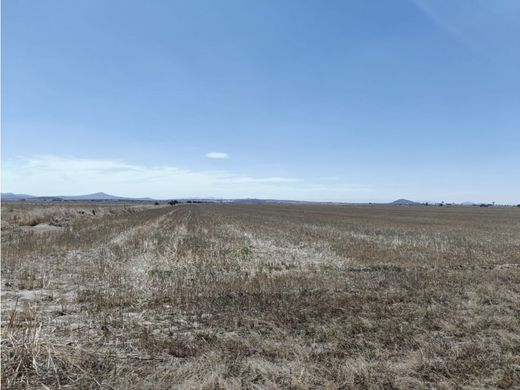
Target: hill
404,202
11,196
95,196
101,196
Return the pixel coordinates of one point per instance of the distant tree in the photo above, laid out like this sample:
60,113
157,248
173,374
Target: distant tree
156,203
173,202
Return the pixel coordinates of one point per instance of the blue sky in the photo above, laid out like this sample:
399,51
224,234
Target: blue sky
337,100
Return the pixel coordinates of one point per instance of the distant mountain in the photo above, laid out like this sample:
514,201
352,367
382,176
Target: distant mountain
101,196
404,202
96,196
11,196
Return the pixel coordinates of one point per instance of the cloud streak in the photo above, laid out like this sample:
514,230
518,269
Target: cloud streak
446,24
66,175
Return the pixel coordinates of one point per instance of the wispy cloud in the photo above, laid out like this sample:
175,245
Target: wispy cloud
446,23
217,155
66,175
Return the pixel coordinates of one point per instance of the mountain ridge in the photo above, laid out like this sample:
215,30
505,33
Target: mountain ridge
103,196
94,196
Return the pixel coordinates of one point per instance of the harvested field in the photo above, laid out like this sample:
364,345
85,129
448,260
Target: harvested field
268,296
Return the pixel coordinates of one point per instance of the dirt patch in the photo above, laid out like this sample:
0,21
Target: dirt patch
42,228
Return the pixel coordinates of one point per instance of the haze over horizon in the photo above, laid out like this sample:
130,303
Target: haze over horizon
341,101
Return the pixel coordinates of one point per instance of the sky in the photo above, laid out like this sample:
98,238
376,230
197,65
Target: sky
356,101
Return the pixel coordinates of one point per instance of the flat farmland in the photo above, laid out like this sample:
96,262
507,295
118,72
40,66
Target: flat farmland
204,296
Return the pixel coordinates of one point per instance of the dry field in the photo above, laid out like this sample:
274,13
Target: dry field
209,296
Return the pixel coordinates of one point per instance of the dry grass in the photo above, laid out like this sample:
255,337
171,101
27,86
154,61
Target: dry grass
228,296
60,214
